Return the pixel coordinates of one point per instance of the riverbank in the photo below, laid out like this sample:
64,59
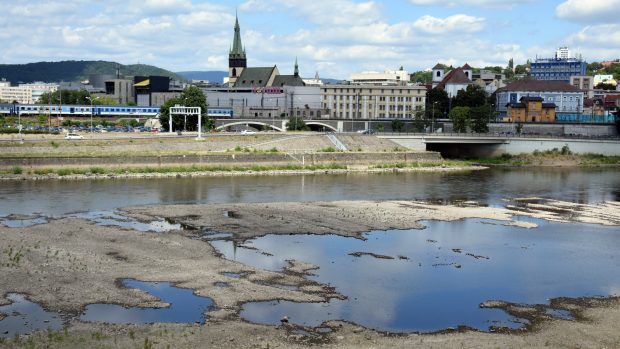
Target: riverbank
68,263
554,158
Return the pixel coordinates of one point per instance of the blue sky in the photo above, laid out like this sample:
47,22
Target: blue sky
333,37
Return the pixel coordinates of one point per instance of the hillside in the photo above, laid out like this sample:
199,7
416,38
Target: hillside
74,71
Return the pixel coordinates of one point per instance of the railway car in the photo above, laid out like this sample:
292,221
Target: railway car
220,113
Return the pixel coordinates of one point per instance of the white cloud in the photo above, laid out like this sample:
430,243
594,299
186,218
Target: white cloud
449,25
481,3
595,11
596,42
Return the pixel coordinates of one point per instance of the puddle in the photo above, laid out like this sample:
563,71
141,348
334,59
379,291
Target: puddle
446,270
559,313
112,218
23,223
230,274
24,317
185,306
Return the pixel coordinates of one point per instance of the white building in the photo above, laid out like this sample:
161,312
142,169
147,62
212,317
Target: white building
39,88
563,53
373,102
10,94
388,77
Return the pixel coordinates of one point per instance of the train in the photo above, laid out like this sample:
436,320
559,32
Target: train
98,110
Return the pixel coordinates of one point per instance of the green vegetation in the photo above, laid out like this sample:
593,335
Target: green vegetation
328,150
67,171
596,68
75,71
14,256
190,97
296,123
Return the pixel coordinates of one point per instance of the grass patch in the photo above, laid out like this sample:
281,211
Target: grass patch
328,150
17,170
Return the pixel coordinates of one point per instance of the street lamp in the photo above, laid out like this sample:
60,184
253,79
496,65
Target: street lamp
185,115
91,113
433,118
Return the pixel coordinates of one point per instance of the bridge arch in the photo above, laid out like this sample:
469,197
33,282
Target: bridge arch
318,123
255,123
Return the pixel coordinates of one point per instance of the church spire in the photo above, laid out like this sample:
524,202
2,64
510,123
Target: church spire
237,49
296,73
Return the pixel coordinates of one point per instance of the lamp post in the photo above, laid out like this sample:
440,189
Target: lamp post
433,118
91,113
185,116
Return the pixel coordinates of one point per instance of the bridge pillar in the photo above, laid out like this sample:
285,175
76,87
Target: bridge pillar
340,126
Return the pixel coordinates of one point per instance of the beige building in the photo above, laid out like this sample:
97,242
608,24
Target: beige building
8,94
372,102
39,88
583,82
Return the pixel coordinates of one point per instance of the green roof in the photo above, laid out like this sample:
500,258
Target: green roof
237,50
288,80
254,77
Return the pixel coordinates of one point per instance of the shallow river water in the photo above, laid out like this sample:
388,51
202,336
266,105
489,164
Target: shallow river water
427,280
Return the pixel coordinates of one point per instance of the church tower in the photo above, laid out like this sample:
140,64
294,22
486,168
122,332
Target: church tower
296,72
236,58
438,74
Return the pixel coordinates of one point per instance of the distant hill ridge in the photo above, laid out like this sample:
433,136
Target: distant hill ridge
75,71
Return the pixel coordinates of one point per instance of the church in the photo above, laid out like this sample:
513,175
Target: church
239,75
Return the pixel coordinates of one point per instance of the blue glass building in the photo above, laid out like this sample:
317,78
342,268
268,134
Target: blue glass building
557,69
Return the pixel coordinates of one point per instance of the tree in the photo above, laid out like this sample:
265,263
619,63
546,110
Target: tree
605,86
296,123
460,117
190,97
397,125
473,96
437,101
479,118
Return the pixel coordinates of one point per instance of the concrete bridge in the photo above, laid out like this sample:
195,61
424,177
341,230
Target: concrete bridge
473,145
321,125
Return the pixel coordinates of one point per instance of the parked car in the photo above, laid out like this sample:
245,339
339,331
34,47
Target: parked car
366,132
248,132
73,136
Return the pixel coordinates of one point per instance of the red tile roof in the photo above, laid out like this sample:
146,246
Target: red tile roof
466,67
438,66
456,76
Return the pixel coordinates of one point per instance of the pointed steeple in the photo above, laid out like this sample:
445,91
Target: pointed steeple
296,73
237,49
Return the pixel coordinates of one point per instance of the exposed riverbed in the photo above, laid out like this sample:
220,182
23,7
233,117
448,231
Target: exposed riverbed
228,239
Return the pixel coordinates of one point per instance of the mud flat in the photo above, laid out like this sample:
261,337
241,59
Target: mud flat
66,264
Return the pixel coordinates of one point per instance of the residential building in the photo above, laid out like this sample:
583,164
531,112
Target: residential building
454,81
388,77
559,68
39,88
10,94
372,102
489,80
531,109
585,83
567,98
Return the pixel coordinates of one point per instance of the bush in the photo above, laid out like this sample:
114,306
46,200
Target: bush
17,170
328,150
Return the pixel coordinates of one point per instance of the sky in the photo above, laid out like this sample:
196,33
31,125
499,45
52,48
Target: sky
332,37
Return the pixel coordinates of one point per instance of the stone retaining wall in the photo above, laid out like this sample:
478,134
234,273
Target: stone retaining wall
238,159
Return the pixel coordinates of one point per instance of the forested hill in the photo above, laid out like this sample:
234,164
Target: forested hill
74,71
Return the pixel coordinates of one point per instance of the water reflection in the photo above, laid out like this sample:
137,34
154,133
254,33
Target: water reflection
24,316
56,198
451,268
185,306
